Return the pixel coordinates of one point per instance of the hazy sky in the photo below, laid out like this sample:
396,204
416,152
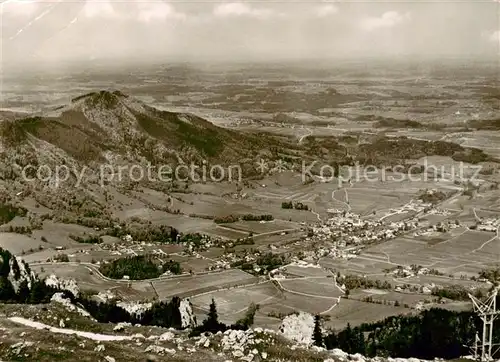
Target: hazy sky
52,31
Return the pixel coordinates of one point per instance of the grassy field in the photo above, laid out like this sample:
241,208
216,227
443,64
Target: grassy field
311,294
90,280
454,255
188,286
389,297
356,313
321,287
297,271
233,302
256,227
17,243
295,302
360,265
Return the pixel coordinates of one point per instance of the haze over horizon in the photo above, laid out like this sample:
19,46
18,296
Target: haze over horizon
55,32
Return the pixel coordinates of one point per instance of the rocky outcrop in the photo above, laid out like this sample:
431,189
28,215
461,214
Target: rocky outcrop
136,309
298,328
69,285
240,345
66,303
187,316
19,273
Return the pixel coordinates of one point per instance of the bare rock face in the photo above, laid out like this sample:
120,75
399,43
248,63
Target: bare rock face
69,285
20,272
135,308
160,350
298,328
66,303
121,326
187,316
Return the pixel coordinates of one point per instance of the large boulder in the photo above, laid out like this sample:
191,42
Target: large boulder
298,328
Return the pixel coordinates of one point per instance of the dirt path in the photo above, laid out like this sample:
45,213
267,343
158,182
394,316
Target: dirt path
346,203
309,133
88,335
497,236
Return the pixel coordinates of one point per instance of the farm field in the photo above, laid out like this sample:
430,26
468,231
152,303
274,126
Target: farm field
360,265
195,265
183,223
18,243
233,302
88,279
290,303
476,248
267,227
300,271
187,286
280,297
165,288
55,234
439,280
77,253
355,313
225,232
365,201
309,287
409,299
91,253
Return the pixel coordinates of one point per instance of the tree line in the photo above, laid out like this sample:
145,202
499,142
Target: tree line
228,219
433,333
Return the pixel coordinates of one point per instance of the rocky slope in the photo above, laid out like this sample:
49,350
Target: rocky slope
54,333
107,127
110,139
15,272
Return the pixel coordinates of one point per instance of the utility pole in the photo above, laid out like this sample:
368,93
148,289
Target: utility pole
486,310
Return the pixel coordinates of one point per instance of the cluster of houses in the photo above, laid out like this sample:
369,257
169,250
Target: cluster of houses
220,264
203,244
409,271
120,249
226,260
412,206
260,122
336,251
489,224
440,227
342,225
197,243
346,228
412,288
438,211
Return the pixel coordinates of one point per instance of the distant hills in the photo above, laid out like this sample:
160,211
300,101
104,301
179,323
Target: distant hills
112,128
100,125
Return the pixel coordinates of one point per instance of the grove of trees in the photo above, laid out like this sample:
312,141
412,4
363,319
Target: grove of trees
292,205
138,267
